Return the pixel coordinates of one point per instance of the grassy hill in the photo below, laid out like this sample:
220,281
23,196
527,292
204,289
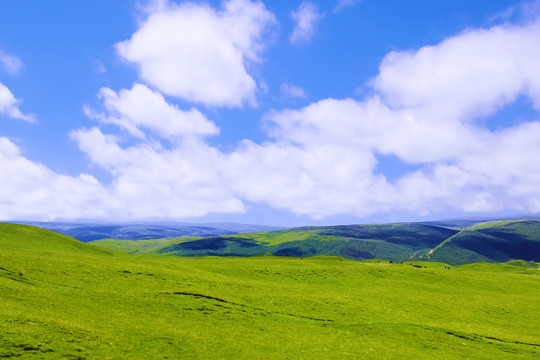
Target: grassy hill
498,241
63,299
397,242
25,238
495,241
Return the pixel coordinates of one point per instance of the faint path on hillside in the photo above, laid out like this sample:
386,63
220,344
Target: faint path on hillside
444,242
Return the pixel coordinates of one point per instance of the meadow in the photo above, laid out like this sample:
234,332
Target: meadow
60,298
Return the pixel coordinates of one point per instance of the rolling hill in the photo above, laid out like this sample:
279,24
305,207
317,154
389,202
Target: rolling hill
30,238
496,241
397,242
60,298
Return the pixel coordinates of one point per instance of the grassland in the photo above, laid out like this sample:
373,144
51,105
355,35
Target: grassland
60,298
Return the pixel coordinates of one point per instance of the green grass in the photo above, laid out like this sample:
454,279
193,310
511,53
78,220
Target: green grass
63,299
514,267
497,224
134,246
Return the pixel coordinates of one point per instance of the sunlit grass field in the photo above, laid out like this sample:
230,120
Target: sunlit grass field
63,299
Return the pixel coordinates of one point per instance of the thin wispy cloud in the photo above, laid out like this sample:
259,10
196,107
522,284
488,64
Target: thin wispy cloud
306,18
343,4
10,63
293,91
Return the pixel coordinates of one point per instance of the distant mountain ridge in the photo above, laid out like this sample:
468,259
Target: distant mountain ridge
454,244
86,232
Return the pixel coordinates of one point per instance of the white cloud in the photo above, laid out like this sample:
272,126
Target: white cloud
473,74
424,112
141,107
151,182
293,91
315,179
342,4
9,105
306,18
11,63
36,192
197,53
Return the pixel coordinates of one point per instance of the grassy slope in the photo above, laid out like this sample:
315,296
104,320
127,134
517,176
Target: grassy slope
142,247
63,299
497,241
514,267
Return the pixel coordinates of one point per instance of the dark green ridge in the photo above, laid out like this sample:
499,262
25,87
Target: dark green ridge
497,241
492,242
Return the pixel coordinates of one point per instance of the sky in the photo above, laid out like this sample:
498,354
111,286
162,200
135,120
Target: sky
278,112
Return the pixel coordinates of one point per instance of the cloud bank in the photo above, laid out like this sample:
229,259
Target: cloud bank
428,107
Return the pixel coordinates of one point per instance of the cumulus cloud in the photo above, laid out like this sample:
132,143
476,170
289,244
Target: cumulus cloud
152,182
141,108
457,77
316,179
197,53
36,192
9,105
293,91
306,18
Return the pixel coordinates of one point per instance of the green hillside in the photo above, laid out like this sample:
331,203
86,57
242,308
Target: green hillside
498,241
25,237
494,241
396,242
60,299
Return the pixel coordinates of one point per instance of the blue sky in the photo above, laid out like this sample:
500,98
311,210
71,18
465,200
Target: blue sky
283,113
